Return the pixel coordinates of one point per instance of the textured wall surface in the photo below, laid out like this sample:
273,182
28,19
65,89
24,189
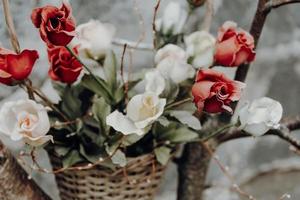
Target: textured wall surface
275,73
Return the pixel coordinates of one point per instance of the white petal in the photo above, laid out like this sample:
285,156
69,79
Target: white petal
122,123
159,111
155,82
170,51
134,106
256,129
37,141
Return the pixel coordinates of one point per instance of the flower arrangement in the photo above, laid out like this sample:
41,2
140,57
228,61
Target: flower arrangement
105,117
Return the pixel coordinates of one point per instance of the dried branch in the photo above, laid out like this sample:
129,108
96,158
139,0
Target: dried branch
14,182
283,133
10,26
133,45
263,8
277,3
206,24
225,171
255,30
153,23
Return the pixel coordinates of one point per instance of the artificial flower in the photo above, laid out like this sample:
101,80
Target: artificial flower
213,92
260,116
25,120
235,46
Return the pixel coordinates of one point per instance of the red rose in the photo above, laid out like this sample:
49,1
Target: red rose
16,67
56,25
64,67
213,91
234,46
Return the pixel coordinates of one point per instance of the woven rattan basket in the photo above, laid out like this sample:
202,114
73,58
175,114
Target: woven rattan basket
138,181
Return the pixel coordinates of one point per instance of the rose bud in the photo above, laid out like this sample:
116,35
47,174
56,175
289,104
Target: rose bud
25,120
64,67
196,3
16,67
56,25
260,116
213,92
234,46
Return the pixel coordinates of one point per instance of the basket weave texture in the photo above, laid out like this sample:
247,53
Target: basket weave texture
139,180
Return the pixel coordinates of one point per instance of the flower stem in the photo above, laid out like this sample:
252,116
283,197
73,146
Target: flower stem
217,132
178,103
91,73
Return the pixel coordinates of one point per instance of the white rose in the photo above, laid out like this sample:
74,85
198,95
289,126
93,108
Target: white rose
173,19
170,51
95,38
201,48
172,63
142,111
176,70
155,82
260,116
25,120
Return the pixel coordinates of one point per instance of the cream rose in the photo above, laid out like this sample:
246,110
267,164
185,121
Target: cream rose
95,38
260,116
155,82
142,111
25,120
201,48
172,63
173,19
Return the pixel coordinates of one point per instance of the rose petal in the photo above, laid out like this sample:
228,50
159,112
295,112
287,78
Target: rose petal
123,124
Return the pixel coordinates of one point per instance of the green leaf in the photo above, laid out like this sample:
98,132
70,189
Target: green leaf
131,139
171,91
110,70
162,155
98,86
90,157
119,158
182,134
101,110
70,103
186,118
72,158
61,150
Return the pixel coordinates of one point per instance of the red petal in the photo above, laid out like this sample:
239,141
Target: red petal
212,105
61,38
226,51
20,66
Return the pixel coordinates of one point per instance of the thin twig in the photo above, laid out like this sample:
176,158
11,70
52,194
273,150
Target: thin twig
209,13
225,171
178,103
153,23
108,93
283,133
133,45
10,27
278,3
122,73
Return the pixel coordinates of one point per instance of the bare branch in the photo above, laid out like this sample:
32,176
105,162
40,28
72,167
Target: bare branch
278,3
133,45
10,26
283,133
208,15
153,23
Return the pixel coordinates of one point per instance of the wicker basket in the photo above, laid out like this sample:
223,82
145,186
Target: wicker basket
139,181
